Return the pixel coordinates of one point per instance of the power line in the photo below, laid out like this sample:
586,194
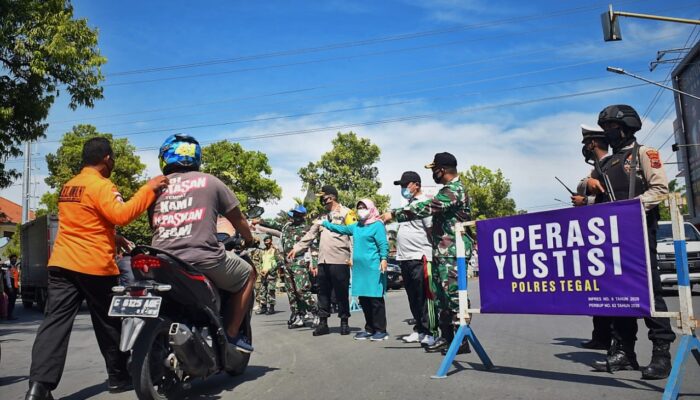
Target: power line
366,42
500,77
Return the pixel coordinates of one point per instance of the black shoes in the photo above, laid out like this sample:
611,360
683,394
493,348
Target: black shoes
322,328
344,327
262,310
463,348
595,344
619,360
119,385
440,344
660,365
38,391
270,310
411,321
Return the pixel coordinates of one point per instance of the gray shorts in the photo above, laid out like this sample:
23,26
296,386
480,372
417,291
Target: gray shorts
230,274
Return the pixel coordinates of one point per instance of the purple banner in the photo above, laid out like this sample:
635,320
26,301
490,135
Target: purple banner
588,260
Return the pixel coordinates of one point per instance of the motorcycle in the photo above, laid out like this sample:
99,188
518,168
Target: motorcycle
173,322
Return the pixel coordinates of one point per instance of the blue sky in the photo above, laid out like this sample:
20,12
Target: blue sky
476,70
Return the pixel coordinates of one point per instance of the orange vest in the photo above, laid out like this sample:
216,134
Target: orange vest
89,208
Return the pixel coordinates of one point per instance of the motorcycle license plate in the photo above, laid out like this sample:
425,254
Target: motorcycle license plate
128,306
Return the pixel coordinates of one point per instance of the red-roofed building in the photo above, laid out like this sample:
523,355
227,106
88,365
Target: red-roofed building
10,216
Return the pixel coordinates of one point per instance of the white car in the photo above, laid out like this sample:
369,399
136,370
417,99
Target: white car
666,253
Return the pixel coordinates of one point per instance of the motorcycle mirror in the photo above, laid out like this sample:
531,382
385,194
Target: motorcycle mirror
254,212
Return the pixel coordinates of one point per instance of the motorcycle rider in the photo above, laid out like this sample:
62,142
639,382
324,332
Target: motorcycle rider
184,220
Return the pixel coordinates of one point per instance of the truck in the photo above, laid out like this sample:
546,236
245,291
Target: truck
666,253
37,238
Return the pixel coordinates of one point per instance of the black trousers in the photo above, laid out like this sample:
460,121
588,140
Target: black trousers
333,277
412,273
625,329
11,300
375,314
67,289
602,329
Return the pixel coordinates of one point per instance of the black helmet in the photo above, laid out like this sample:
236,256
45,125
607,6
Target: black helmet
623,115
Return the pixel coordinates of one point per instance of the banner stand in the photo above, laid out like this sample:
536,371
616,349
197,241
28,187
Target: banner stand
465,329
689,342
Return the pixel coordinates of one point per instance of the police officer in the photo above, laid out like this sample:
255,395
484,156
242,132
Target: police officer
635,171
449,206
333,261
595,150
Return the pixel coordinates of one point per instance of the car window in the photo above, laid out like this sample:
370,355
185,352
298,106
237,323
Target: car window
665,233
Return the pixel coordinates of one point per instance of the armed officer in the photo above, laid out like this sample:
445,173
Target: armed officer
635,171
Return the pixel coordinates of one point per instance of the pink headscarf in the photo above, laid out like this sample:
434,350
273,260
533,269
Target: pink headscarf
373,212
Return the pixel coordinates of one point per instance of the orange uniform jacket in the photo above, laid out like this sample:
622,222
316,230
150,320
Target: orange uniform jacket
89,208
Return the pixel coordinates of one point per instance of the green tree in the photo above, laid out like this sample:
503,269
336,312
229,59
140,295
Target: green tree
488,192
41,48
350,167
673,187
246,172
127,175
14,246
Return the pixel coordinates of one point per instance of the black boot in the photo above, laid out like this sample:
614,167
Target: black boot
322,327
270,310
38,391
660,365
464,348
119,384
262,310
620,357
344,327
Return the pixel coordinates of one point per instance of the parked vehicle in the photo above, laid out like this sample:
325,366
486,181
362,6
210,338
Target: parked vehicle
667,256
174,323
37,238
394,279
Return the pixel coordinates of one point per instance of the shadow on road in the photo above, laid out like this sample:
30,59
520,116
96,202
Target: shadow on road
212,388
567,341
9,380
87,392
598,379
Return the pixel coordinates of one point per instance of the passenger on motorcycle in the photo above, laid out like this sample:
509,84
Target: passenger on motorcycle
184,220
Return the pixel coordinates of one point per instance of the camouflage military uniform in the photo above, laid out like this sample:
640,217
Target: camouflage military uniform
265,282
450,205
301,300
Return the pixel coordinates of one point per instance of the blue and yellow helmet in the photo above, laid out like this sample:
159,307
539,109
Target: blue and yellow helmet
180,151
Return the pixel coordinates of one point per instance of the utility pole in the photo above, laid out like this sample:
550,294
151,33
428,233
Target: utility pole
26,182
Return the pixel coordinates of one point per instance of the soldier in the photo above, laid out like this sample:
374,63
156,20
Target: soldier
267,261
635,171
295,271
450,205
595,151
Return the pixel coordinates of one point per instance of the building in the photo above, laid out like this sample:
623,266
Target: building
10,216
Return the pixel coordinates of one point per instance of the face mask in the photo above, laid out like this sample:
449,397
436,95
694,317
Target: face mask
587,152
363,214
406,193
615,137
298,220
437,176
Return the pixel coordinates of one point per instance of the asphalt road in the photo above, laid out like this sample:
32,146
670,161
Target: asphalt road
536,358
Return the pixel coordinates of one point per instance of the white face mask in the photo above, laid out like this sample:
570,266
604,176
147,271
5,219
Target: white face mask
363,214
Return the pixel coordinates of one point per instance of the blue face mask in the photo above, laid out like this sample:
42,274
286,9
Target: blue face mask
406,193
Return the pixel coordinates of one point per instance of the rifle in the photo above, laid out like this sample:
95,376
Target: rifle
609,193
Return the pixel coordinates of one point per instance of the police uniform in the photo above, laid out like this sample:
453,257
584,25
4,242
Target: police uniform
636,171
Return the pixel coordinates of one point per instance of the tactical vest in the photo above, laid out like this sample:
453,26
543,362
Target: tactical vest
620,179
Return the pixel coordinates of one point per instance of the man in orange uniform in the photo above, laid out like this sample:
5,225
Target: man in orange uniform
82,266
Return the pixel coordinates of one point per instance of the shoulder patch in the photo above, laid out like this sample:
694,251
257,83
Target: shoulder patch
654,158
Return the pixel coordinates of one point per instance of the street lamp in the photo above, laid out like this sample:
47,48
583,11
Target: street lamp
611,24
623,72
